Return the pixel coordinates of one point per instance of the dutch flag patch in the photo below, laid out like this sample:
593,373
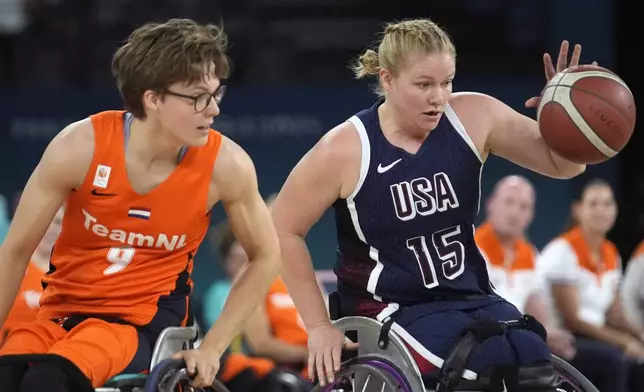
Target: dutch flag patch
139,212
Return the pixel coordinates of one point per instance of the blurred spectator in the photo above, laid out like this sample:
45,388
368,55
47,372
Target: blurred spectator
4,218
510,256
275,330
511,263
582,270
633,288
25,307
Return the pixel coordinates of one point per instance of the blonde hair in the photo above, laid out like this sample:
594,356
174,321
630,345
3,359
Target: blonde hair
400,39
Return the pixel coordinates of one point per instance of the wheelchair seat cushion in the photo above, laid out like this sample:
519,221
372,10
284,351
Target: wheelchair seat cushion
126,380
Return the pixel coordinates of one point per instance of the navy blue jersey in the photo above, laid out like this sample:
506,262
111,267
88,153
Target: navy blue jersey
406,234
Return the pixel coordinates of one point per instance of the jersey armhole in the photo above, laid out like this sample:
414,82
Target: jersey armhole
365,158
96,121
460,128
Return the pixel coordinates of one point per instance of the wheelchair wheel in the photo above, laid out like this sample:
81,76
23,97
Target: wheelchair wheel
171,376
292,382
571,377
367,374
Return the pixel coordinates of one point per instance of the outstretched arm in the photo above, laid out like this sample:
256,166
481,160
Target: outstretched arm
311,188
62,168
235,179
328,172
517,138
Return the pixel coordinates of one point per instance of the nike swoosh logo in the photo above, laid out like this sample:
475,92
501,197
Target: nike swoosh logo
96,193
382,169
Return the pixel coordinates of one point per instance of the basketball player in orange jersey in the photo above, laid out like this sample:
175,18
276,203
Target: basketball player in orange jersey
404,179
25,307
139,186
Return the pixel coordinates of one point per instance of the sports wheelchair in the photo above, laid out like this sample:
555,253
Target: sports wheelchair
383,363
166,375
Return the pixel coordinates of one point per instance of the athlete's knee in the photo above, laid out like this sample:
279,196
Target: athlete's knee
529,347
46,376
10,377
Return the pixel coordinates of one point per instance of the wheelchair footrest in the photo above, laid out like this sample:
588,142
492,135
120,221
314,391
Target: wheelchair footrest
127,380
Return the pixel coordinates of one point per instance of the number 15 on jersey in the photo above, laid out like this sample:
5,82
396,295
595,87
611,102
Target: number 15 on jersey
448,250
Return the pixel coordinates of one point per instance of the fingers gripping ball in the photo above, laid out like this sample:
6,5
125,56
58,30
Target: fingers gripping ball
586,114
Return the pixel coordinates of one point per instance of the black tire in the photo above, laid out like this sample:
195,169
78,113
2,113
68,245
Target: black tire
572,376
173,371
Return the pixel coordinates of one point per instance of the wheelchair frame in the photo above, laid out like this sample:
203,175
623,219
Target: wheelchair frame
170,341
368,330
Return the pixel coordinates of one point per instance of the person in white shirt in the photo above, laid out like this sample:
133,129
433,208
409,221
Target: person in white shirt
510,256
633,288
582,271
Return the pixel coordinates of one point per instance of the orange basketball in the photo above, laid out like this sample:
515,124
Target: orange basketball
586,114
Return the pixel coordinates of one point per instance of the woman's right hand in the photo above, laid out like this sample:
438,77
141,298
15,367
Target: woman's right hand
325,349
633,348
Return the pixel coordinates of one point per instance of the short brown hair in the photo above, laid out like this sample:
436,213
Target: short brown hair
157,55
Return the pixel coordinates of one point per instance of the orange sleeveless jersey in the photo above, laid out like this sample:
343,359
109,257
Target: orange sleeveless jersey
25,307
285,321
122,254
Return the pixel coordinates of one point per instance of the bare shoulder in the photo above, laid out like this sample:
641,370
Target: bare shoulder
233,173
475,103
479,113
341,142
330,170
337,154
70,153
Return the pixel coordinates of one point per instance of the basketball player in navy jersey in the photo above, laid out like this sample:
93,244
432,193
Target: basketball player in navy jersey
404,178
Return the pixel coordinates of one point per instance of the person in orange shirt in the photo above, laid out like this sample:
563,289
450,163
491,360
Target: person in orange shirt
510,256
582,271
25,307
139,185
275,329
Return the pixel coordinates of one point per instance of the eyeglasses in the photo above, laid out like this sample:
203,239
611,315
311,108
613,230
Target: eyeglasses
201,101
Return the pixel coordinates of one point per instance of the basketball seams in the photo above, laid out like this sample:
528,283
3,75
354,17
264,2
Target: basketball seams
563,97
576,76
596,96
565,100
579,129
